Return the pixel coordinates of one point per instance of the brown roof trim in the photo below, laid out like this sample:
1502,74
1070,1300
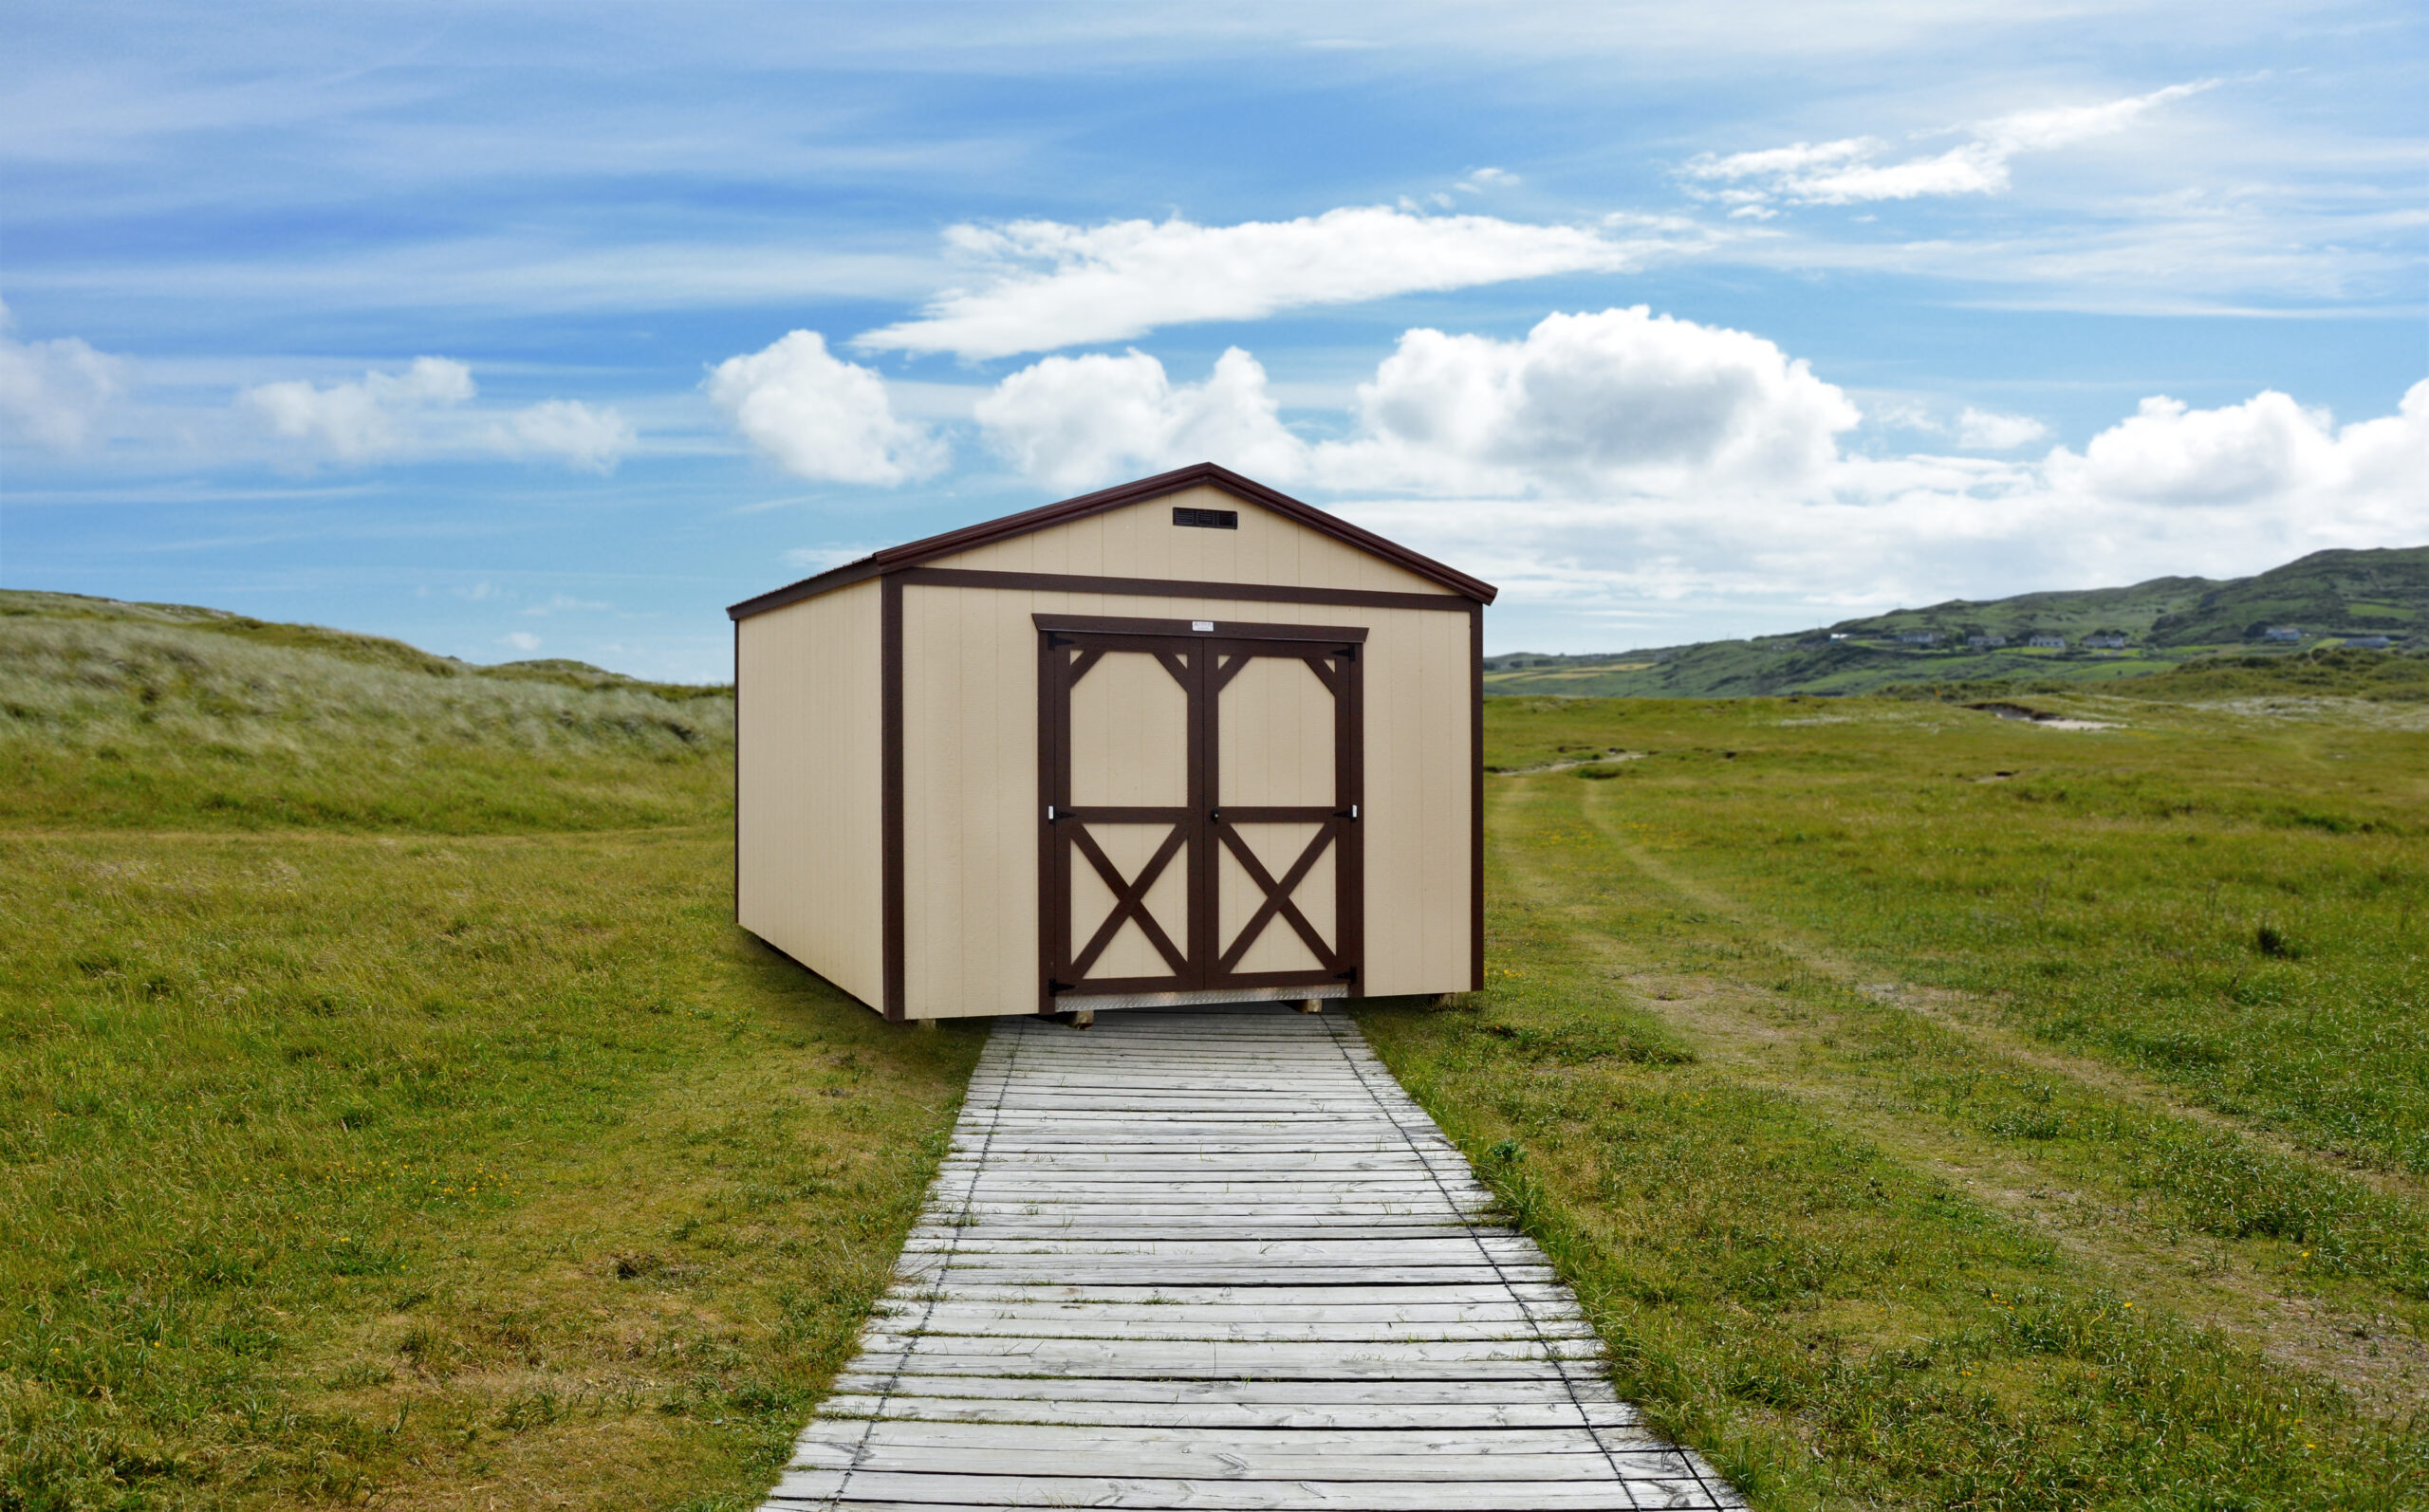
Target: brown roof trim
911,554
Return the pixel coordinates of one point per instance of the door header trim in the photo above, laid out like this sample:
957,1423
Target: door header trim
1186,629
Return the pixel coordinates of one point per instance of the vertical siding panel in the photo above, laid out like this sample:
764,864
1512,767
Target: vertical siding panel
808,837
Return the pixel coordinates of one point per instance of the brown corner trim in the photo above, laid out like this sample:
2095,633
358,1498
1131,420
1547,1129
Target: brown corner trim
737,772
916,553
1475,797
1226,629
1181,588
890,781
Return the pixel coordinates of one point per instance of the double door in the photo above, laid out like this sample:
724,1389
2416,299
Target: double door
1200,790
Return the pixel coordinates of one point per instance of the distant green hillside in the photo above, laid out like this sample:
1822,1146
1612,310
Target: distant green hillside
2327,596
124,713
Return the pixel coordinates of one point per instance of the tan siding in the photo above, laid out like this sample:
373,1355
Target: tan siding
808,861
970,676
1140,541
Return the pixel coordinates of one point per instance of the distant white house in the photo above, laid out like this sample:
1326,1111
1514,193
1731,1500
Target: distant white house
2048,642
1986,642
1918,637
2107,642
2366,643
2281,633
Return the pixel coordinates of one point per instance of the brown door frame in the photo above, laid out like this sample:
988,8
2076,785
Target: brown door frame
1203,660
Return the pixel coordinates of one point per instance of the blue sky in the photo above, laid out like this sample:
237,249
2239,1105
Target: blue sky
549,330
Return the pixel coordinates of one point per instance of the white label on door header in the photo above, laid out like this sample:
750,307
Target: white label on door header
1203,626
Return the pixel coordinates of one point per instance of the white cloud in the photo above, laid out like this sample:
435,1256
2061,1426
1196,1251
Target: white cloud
1846,171
2266,451
1044,285
2168,490
423,412
520,640
570,431
1622,401
359,422
1989,430
1481,179
1073,421
822,417
54,393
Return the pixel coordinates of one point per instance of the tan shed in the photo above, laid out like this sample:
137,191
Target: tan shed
1187,740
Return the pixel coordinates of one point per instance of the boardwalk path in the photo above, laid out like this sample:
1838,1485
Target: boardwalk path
1219,1259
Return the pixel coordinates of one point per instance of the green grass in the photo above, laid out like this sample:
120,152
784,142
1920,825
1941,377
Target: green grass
1930,1110
1922,1135
389,1108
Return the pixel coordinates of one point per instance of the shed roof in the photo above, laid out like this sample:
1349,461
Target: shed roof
916,553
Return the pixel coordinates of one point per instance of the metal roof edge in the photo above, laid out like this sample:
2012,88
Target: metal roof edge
916,553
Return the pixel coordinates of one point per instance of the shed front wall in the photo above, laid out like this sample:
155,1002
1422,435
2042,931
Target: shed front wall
971,816
809,786
1140,541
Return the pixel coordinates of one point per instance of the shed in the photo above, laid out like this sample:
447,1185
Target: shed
1186,740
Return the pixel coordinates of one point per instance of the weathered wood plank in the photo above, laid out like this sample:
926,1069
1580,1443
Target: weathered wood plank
1219,1261
933,1492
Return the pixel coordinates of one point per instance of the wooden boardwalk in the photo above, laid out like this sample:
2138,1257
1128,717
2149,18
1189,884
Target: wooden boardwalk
1218,1260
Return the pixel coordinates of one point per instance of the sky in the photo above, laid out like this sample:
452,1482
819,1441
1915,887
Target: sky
535,330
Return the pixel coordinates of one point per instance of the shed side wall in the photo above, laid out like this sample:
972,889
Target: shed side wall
807,791
970,776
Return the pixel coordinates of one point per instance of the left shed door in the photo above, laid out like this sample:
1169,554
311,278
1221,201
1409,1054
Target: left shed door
1122,721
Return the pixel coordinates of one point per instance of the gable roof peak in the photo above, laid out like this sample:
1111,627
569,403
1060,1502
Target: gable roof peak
915,553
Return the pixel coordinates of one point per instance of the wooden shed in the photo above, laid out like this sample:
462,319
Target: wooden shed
1187,740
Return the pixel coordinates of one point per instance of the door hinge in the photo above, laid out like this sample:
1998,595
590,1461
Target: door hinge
1350,975
1050,813
1350,813
1214,816
1053,986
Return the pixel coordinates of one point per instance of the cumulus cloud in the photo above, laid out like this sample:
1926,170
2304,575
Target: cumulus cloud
819,417
1618,401
2267,451
520,640
1074,421
1850,171
54,393
1044,285
572,431
359,422
422,413
1624,400
2169,489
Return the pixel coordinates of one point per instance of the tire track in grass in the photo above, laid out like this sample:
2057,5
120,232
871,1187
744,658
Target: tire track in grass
1967,1019
2358,1335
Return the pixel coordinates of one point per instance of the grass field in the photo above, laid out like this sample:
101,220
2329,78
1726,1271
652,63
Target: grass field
1941,1110
1933,1110
390,1110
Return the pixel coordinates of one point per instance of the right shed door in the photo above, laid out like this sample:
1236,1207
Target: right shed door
1203,793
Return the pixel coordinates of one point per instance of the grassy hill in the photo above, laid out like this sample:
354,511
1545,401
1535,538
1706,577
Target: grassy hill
2327,595
159,714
